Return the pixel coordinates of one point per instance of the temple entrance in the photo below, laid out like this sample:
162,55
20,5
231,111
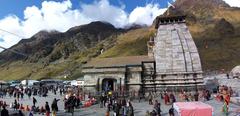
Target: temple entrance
108,84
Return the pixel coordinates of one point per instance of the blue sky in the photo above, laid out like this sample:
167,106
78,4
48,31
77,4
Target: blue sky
1,40
17,7
25,18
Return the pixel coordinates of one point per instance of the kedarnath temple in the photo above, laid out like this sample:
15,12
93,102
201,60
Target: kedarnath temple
172,64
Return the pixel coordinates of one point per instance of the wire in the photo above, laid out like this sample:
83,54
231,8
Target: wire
11,33
14,51
10,49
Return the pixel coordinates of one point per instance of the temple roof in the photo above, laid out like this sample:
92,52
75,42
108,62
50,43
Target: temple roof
163,20
117,61
175,50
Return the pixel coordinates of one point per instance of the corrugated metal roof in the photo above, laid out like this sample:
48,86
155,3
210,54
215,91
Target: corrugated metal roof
117,61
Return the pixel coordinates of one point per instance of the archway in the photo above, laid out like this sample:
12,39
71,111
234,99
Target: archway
108,84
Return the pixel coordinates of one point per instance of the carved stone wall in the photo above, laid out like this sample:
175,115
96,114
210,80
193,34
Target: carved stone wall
133,77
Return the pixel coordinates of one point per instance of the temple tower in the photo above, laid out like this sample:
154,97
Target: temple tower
178,64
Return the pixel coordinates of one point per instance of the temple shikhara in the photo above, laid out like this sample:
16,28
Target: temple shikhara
172,63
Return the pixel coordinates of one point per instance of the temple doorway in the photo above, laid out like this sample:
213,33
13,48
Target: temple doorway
108,84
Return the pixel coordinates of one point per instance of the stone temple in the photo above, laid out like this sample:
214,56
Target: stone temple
172,64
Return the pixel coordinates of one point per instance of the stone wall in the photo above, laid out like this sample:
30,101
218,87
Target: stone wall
92,75
175,50
178,64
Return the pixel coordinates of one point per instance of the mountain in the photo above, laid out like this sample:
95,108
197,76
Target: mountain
42,55
53,45
214,25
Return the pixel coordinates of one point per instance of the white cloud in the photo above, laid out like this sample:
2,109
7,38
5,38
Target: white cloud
60,16
103,11
145,15
233,3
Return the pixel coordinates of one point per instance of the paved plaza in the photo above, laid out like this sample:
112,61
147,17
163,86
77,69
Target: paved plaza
139,108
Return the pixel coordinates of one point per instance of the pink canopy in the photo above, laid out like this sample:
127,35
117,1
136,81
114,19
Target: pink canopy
193,109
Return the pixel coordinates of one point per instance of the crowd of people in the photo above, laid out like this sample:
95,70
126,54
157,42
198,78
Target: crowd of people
109,101
18,94
118,105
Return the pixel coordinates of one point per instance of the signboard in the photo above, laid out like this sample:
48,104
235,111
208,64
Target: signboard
77,83
80,83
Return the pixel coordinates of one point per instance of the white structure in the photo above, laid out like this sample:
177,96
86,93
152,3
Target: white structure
28,82
235,72
77,83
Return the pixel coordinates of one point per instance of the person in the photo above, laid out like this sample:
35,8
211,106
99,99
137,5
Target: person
101,101
22,95
153,113
166,99
196,96
226,103
150,102
61,92
171,111
34,101
70,104
20,113
116,108
15,104
27,108
54,105
1,104
130,111
4,111
42,110
124,110
156,105
172,97
141,96
227,76
159,109
230,91
29,93
47,109
77,101
21,107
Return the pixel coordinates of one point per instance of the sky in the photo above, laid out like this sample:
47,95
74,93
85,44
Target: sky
24,18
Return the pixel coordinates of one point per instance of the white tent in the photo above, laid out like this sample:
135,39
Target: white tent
30,82
77,83
235,71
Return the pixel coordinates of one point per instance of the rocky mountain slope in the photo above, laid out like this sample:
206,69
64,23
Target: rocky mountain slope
214,25
48,53
51,46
